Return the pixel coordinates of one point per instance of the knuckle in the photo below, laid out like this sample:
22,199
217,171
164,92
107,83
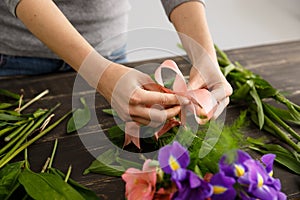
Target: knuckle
135,99
164,99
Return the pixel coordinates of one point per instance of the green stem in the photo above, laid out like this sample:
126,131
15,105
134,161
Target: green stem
14,133
53,153
26,159
68,173
33,100
279,97
281,134
25,145
12,191
6,130
45,165
281,122
9,94
16,141
222,54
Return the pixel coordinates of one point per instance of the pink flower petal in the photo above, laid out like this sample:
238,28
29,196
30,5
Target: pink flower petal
140,184
167,126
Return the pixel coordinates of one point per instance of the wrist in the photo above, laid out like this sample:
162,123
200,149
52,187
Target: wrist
93,67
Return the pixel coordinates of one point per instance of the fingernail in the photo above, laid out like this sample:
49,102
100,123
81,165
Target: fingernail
183,100
186,101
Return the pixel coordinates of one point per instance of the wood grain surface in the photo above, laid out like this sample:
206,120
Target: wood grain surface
277,63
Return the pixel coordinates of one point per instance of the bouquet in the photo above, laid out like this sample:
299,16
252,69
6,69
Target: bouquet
239,177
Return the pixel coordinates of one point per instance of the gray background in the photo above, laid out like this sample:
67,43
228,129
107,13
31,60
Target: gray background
233,24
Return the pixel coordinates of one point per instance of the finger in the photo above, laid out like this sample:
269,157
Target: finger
158,88
196,81
145,97
221,91
155,114
221,106
200,111
146,122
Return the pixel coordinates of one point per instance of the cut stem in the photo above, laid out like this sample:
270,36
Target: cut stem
53,153
12,153
45,165
33,100
16,142
14,133
68,173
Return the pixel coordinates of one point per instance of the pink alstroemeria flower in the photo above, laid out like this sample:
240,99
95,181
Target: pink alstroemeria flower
165,194
140,185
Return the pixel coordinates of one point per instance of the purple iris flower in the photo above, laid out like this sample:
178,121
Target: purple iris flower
222,187
259,183
235,168
268,160
190,186
173,157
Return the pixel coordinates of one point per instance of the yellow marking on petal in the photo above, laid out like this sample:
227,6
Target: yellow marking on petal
260,181
271,173
219,189
136,181
173,163
239,170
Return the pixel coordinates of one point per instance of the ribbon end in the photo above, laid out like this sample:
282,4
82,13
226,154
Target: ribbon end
132,132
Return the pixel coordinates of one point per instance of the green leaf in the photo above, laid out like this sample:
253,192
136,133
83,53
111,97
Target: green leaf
285,115
110,112
9,178
7,93
128,164
198,171
80,118
226,70
264,88
84,192
116,135
221,140
105,169
47,186
242,92
10,117
5,105
260,111
283,156
103,164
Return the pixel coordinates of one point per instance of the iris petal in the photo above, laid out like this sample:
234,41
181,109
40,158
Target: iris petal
173,163
173,157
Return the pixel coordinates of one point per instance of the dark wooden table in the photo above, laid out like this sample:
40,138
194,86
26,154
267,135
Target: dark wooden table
277,63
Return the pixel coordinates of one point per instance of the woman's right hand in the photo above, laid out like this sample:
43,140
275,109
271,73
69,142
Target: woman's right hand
136,97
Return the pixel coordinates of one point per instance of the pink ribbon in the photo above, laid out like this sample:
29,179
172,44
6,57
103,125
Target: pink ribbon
198,97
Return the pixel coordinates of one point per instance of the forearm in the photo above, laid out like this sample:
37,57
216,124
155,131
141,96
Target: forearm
48,24
189,18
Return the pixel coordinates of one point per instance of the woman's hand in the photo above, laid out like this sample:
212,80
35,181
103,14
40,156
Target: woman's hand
131,93
136,97
208,75
190,22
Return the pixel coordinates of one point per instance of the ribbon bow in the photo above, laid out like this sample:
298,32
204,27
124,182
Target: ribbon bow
198,97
